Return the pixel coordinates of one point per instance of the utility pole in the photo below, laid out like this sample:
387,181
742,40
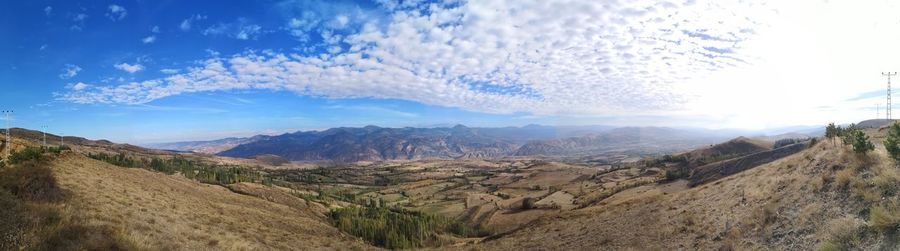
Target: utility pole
8,142
887,109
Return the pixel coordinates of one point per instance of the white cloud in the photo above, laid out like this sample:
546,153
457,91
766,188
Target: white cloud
130,68
170,71
116,12
79,86
187,23
720,59
149,39
78,20
48,10
241,29
69,71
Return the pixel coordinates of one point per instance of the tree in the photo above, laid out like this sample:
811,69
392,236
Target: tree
847,134
892,142
861,143
831,131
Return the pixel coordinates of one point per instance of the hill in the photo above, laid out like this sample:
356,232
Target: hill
208,147
105,207
376,143
649,139
824,197
736,147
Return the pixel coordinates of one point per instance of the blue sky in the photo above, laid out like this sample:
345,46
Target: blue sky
150,71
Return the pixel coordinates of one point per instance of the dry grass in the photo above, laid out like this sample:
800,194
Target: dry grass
159,211
783,205
844,232
886,217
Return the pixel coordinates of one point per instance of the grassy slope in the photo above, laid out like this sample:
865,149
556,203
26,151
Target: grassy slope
792,203
168,212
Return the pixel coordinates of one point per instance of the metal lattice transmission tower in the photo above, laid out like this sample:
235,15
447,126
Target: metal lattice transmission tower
887,109
44,134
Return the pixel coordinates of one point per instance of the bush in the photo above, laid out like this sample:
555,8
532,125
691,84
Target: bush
29,153
528,203
675,174
845,232
885,217
32,181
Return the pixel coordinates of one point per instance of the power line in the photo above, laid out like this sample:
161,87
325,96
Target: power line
887,109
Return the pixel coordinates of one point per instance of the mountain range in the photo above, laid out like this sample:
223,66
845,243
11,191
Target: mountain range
458,142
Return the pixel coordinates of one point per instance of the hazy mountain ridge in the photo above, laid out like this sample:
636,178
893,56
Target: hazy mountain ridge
458,142
376,143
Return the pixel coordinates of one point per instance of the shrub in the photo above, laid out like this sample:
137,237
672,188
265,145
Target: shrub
528,203
845,232
885,217
844,177
32,181
830,246
677,173
29,153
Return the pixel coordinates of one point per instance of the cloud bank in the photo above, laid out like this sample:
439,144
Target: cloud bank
542,57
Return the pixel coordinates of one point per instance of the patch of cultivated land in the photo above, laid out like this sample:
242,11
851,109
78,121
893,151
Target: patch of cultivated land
169,212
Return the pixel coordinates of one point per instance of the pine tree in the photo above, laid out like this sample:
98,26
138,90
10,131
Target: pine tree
892,142
861,143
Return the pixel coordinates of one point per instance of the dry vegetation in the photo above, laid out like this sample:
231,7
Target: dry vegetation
826,197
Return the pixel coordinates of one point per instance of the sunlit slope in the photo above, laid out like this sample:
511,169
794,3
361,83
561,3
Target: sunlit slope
821,197
169,212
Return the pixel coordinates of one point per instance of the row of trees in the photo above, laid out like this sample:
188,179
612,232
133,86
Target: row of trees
206,173
850,135
395,228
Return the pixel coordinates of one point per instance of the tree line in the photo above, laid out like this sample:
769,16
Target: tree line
191,169
396,228
850,135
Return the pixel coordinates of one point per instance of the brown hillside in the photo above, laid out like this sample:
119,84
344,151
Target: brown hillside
737,147
820,197
169,212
